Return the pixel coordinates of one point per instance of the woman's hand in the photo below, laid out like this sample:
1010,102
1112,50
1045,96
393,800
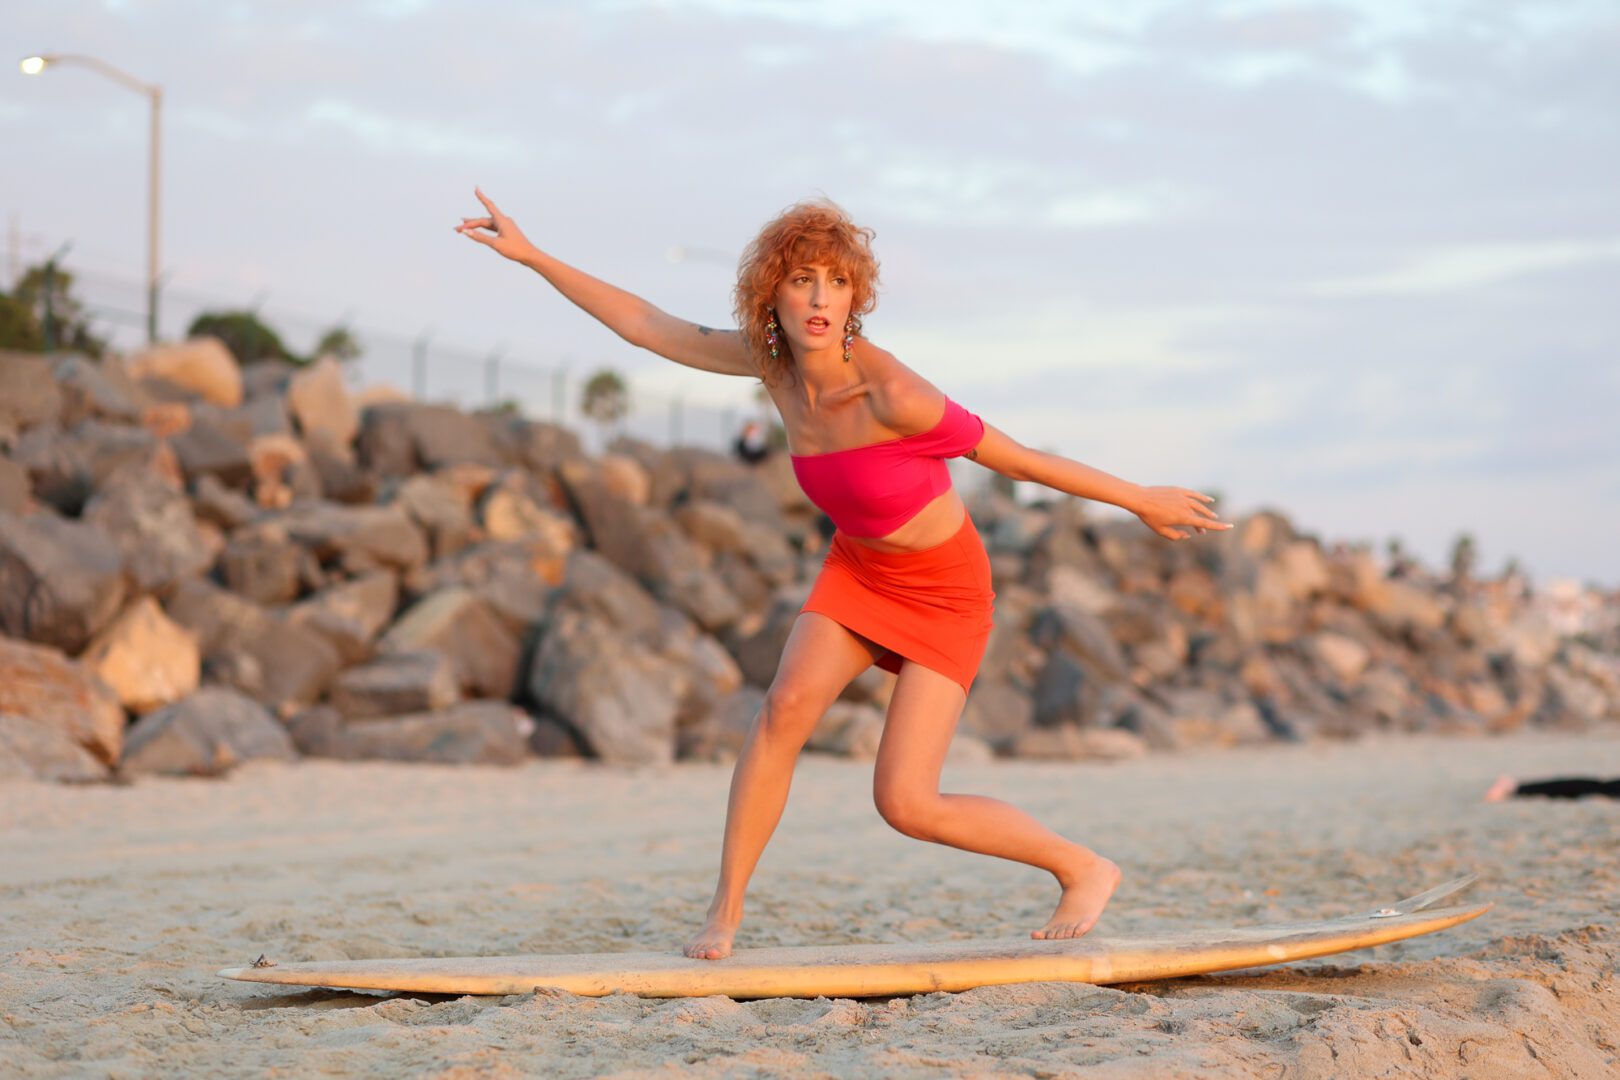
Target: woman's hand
1163,508
503,235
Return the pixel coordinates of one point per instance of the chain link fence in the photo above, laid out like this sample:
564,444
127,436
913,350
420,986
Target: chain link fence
432,369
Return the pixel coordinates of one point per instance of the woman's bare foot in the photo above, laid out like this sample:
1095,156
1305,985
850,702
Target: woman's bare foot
1085,893
713,941
1504,786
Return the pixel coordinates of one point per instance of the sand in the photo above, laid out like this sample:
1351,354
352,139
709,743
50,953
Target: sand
121,903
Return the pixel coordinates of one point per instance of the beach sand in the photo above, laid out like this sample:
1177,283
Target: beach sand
121,903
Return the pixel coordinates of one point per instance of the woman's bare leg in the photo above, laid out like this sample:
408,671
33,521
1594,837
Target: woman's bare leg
922,717
819,660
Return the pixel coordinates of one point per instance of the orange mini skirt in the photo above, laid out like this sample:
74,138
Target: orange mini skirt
932,606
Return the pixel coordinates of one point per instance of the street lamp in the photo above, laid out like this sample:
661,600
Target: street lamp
33,65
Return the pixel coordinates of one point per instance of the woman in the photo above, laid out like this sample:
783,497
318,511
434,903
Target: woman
906,583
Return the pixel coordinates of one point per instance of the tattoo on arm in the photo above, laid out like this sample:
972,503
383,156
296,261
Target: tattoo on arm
704,330
973,455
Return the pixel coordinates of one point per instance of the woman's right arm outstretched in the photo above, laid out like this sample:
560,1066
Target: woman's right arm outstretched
628,315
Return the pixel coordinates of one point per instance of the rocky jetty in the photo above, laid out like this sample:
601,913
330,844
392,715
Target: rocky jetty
202,564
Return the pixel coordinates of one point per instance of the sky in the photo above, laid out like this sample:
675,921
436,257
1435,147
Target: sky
1355,262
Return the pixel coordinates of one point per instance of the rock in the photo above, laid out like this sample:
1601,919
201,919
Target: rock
620,697
260,564
509,510
721,529
482,649
720,735
1345,658
267,378
215,448
150,520
16,492
515,578
341,478
996,712
395,683
1084,636
1200,717
471,733
66,468
29,395
1573,702
1071,587
553,738
625,479
442,509
706,474
350,615
33,751
319,401
357,538
400,439
92,388
280,664
217,504
759,650
850,730
1065,742
61,581
147,659
537,446
206,734
202,365
281,471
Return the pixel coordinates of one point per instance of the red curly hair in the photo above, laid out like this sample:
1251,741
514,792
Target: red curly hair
808,232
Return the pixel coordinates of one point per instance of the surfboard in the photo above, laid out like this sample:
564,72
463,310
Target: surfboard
881,970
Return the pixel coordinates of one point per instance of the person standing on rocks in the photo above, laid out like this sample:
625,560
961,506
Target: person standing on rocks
906,581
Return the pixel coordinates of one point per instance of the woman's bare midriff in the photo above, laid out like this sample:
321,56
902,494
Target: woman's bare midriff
934,524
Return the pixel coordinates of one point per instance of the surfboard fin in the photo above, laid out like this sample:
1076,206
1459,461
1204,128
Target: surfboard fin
1425,899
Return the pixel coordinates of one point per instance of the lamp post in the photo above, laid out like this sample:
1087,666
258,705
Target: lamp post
33,65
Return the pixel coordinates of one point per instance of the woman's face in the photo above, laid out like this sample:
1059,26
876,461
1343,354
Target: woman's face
812,306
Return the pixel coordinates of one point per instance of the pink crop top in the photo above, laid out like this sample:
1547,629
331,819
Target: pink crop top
873,490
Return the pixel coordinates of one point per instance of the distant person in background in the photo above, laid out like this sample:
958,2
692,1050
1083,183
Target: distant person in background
906,581
1570,787
751,445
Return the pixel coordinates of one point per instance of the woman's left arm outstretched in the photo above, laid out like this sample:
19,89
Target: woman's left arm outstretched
1165,510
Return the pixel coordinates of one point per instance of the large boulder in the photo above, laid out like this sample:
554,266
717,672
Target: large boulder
395,684
319,401
350,615
357,538
66,467
61,581
147,659
205,734
481,647
622,699
40,685
34,751
203,366
279,663
151,521
29,395
471,733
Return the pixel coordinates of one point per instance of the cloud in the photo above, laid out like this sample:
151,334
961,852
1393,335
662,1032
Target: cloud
396,135
1473,266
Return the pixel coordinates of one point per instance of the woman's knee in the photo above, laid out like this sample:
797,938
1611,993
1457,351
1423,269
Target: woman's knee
907,811
789,713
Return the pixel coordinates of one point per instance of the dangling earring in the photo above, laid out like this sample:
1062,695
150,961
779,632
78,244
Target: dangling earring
770,332
850,326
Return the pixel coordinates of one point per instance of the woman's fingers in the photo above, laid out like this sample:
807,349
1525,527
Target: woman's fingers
488,205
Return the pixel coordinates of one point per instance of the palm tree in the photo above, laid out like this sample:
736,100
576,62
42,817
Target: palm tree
606,399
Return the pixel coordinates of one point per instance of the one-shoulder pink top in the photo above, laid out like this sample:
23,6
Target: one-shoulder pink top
872,490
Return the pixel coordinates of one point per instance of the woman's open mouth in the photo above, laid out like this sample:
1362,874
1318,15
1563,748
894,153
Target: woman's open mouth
816,324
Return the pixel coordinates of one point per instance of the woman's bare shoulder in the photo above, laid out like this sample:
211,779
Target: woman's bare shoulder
902,399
